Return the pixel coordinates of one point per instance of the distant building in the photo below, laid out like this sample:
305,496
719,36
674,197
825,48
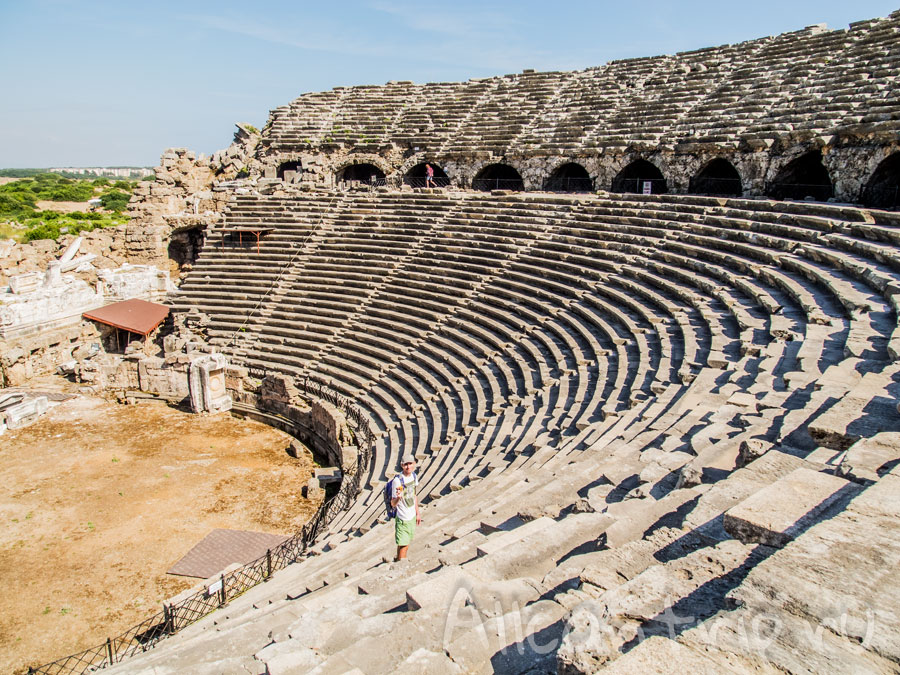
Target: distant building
107,171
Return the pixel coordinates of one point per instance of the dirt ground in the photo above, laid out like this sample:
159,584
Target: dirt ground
98,500
64,207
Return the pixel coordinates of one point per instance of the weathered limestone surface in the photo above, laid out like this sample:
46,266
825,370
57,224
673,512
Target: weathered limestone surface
778,513
871,458
827,602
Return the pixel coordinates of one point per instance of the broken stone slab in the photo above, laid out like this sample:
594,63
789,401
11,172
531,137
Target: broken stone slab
871,458
284,658
328,474
71,250
636,516
437,592
499,541
597,629
520,641
425,662
656,655
25,413
779,512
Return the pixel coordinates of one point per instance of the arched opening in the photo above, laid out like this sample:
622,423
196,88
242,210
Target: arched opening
184,247
498,177
719,177
640,177
883,189
288,171
802,178
569,177
361,173
417,176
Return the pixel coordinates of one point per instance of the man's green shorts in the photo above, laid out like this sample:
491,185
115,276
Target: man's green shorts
404,531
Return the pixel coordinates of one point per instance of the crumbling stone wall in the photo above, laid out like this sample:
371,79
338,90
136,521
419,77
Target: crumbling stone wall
41,350
318,424
108,244
189,192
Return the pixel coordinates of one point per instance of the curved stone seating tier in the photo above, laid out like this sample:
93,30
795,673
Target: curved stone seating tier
799,85
497,334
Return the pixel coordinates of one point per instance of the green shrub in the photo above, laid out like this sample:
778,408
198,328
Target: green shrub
115,200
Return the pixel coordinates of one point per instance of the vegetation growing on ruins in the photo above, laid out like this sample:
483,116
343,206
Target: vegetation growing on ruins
26,222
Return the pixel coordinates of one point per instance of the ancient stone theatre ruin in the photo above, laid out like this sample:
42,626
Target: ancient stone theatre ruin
642,337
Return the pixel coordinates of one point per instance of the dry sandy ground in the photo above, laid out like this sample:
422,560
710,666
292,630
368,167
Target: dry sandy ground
62,207
97,500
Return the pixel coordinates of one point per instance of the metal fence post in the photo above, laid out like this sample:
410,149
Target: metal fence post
222,591
109,651
268,563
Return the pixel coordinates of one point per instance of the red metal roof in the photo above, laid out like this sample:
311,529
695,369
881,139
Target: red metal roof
136,316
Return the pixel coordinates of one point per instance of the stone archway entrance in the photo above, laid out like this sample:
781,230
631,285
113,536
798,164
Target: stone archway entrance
184,247
718,177
498,177
570,177
804,177
883,189
361,173
288,171
416,176
640,177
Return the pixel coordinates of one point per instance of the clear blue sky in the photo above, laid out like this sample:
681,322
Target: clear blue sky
86,82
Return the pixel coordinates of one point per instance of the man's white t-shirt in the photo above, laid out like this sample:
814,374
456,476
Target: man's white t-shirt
406,507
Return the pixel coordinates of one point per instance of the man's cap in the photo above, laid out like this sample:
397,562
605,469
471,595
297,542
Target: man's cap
407,458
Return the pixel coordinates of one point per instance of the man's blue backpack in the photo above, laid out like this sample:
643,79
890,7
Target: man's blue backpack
388,496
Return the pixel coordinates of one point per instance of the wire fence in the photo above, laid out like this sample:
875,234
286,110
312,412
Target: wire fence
881,197
703,185
174,617
819,192
419,181
574,184
488,184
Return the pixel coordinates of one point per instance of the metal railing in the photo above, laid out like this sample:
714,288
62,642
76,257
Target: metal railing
374,181
881,197
638,186
174,617
820,192
419,181
488,184
716,186
569,185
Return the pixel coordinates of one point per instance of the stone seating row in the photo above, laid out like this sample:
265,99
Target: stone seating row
531,292
748,85
552,554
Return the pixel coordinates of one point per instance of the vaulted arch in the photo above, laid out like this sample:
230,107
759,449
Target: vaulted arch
802,178
718,177
640,177
498,177
361,173
416,175
569,177
883,189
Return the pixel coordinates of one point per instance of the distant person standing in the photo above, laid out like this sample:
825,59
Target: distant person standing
406,502
429,176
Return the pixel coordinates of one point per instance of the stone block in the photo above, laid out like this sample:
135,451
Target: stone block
328,474
499,541
25,413
207,384
656,655
779,512
437,592
871,458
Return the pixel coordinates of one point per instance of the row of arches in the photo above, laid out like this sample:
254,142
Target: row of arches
802,178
